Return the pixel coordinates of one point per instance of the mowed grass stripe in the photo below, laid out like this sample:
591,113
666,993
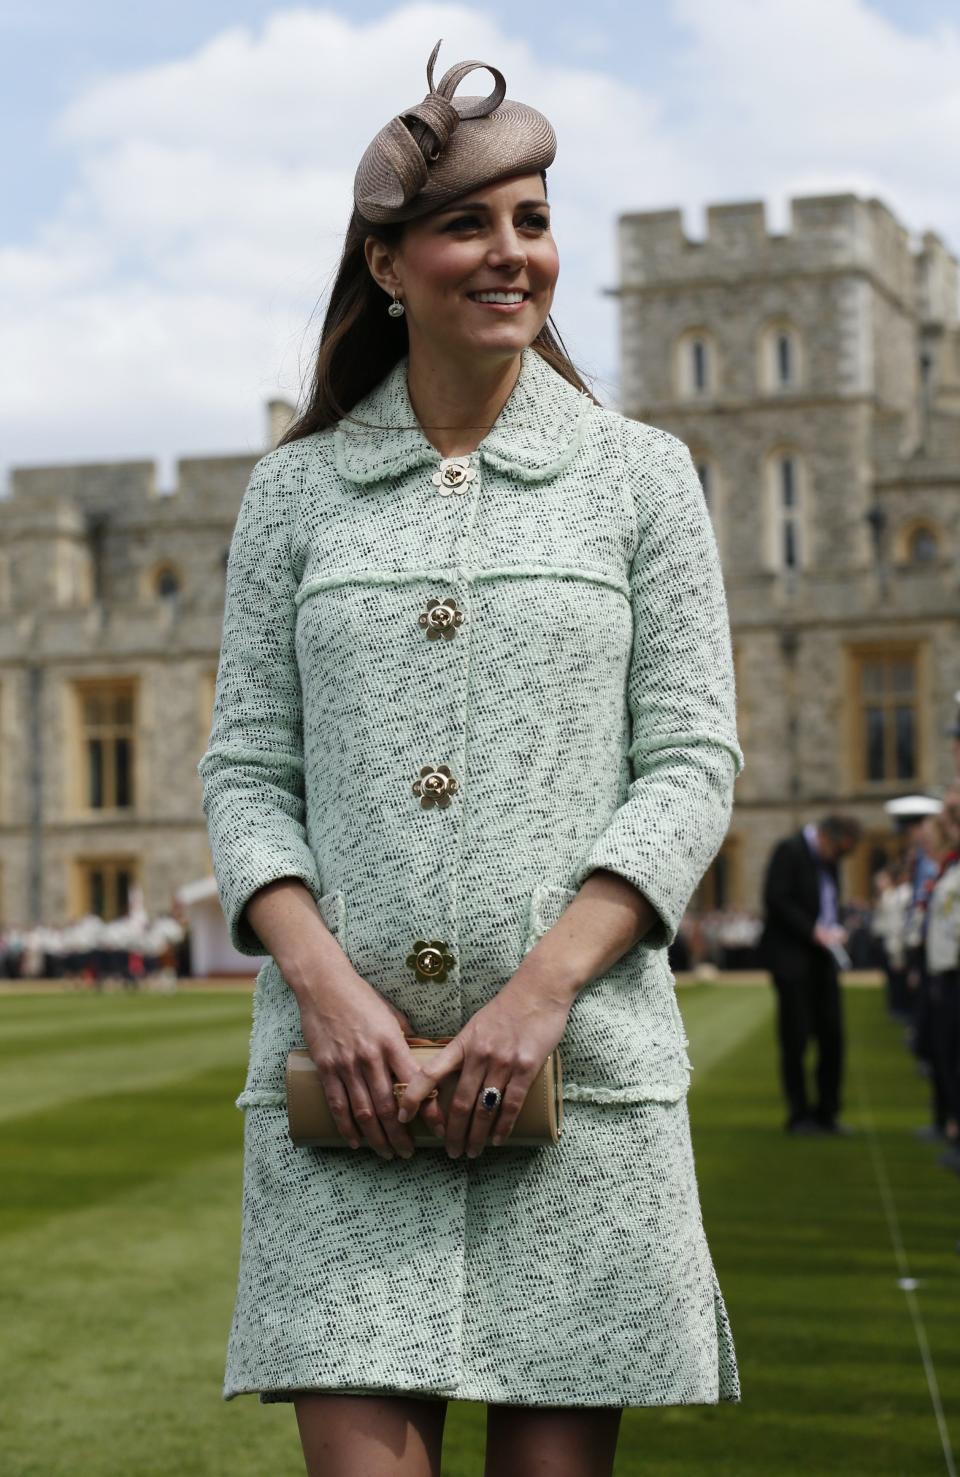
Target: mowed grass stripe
115,1331
130,1205
98,1015
57,1161
119,1305
46,1082
825,1344
50,1011
718,1019
16,1046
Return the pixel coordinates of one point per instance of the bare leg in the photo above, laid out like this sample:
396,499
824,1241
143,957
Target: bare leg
551,1441
370,1435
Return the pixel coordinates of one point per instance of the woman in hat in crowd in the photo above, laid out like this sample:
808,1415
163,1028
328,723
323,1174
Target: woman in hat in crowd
473,748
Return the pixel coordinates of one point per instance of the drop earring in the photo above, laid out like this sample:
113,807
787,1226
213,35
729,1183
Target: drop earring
396,308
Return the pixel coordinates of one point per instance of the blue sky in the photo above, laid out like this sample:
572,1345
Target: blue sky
176,178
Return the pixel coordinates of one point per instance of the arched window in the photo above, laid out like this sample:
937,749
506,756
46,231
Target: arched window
780,358
785,370
695,365
699,365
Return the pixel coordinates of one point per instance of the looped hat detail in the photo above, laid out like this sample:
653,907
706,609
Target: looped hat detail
425,156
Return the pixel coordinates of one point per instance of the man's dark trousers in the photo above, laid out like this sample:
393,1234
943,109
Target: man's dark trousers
808,1003
804,975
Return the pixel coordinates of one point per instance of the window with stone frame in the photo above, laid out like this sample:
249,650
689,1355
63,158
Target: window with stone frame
787,514
885,690
104,885
780,363
695,365
922,547
106,744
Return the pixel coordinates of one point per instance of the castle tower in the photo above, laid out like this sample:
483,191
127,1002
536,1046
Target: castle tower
815,375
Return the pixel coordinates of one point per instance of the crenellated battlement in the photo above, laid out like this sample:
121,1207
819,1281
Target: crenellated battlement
87,483
827,233
131,487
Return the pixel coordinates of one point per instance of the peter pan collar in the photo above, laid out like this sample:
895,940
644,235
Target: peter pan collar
535,435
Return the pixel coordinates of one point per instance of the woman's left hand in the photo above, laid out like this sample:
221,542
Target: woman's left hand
503,1045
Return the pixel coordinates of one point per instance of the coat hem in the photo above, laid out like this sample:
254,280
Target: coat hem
280,1395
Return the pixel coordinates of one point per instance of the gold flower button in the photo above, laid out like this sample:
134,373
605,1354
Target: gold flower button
441,618
454,475
430,960
435,786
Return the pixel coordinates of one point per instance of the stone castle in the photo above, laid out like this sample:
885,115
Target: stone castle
815,376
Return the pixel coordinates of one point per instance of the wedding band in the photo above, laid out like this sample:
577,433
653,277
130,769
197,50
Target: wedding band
398,1089
491,1098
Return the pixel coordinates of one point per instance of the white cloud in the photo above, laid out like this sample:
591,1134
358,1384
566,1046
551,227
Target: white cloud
798,91
176,288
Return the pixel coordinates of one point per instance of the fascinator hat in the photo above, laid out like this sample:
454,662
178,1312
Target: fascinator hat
438,149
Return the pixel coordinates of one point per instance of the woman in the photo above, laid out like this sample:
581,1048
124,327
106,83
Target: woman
473,748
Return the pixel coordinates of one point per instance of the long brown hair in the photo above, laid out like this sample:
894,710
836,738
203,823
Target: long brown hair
360,343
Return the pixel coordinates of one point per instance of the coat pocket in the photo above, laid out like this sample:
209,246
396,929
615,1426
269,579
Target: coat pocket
546,903
332,910
276,1028
625,1039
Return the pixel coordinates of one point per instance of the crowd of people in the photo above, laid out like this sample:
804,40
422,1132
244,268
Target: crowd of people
94,951
916,918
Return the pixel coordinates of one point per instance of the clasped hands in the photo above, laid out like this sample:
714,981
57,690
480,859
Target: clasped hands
357,1045
503,1045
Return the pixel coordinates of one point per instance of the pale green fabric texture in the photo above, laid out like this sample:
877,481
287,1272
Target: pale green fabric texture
585,706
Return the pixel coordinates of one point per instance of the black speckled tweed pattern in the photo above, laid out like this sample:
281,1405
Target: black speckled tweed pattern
575,1274
586,708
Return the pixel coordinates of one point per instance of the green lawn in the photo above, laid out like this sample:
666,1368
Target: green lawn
119,1213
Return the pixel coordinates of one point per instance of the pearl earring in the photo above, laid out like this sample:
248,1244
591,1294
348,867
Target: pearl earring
396,308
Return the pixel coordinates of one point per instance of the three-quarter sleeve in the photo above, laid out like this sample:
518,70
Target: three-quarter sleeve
683,755
253,769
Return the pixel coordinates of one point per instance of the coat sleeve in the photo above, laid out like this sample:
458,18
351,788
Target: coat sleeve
683,754
253,771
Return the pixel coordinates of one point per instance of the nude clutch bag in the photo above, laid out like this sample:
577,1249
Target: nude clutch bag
311,1125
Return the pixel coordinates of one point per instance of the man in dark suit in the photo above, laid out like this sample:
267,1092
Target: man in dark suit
802,946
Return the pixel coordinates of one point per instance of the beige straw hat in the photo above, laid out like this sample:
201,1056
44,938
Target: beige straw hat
438,149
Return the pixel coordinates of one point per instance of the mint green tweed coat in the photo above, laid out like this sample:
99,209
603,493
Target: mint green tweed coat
444,698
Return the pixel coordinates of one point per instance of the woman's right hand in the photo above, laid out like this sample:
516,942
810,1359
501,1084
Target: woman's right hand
355,1039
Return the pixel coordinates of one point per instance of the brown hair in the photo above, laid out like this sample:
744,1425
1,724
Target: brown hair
360,343
841,828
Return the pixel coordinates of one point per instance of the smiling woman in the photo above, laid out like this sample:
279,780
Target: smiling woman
459,567
476,281
446,226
